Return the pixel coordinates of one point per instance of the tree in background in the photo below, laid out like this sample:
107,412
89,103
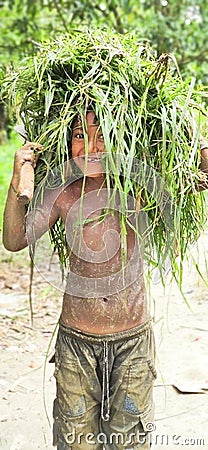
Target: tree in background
179,27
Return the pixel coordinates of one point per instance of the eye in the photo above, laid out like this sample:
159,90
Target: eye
100,137
78,136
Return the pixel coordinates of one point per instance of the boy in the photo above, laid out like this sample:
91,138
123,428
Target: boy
105,347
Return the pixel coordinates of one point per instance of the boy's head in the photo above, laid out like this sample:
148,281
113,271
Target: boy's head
88,145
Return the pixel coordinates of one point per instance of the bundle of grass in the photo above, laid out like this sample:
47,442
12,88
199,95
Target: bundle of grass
146,114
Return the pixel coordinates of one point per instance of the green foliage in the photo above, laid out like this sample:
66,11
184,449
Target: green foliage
179,27
145,108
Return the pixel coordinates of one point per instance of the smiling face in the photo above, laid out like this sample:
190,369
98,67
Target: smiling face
87,148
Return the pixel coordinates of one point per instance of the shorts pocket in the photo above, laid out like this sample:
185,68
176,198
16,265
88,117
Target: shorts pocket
63,432
140,378
135,428
70,394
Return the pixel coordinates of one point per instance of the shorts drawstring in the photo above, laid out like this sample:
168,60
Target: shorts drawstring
105,387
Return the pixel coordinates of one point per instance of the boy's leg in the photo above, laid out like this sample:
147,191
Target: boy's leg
131,386
77,406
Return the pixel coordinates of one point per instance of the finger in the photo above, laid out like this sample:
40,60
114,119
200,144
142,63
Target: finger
29,152
33,146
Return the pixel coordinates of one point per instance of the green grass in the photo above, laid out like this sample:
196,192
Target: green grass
7,152
146,113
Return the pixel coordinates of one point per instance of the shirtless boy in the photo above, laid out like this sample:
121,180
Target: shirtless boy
105,345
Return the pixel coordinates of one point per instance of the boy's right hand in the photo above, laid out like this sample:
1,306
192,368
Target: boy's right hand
27,153
23,171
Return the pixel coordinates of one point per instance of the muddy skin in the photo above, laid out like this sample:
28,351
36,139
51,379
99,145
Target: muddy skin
95,254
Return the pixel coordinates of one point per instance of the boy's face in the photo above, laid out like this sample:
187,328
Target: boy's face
87,154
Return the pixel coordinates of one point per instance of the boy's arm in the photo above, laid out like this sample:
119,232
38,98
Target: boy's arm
17,226
14,237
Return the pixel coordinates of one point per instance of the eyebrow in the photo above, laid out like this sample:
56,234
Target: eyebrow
79,126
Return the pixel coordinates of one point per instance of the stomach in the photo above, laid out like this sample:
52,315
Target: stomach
103,293
108,313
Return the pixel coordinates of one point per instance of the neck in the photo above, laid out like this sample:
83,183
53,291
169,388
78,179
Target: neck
97,182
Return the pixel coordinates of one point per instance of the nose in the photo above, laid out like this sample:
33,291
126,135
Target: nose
92,145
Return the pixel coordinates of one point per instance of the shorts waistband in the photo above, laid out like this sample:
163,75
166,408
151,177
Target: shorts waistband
111,337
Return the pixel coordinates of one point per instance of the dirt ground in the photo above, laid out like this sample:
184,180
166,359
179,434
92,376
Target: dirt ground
27,386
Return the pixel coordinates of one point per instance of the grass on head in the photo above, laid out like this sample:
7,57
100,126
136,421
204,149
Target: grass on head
146,113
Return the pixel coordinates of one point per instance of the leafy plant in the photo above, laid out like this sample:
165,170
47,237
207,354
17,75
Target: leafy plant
146,113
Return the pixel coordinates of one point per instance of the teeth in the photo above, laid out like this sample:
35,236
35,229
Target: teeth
92,159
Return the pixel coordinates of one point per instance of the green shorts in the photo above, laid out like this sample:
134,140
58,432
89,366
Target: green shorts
104,389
